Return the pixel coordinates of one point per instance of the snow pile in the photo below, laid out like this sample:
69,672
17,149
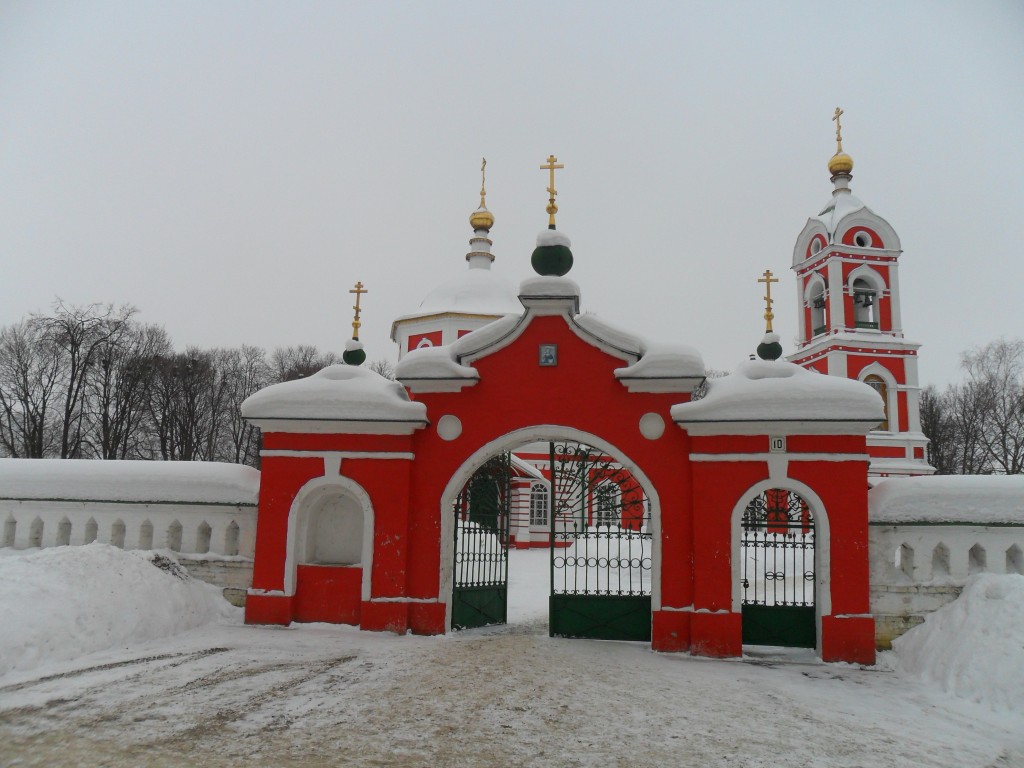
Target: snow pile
973,647
137,481
61,603
949,499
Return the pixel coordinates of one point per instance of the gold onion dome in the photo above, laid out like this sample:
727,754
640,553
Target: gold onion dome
840,162
481,218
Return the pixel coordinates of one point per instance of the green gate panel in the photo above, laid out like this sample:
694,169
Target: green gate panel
479,606
789,625
600,617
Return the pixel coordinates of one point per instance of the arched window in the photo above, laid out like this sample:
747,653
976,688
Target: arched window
864,305
819,316
539,504
607,505
878,384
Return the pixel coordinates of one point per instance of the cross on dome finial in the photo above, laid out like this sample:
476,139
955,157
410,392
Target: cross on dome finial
839,130
481,218
768,279
769,349
358,291
840,164
483,182
552,209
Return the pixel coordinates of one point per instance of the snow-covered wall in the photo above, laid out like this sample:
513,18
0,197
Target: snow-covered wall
929,534
196,508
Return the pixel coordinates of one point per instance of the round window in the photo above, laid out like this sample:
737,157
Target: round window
815,247
863,239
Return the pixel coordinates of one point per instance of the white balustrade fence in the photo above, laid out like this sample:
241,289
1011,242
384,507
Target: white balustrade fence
191,529
928,535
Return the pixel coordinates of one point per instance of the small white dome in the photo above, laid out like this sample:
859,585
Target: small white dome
475,291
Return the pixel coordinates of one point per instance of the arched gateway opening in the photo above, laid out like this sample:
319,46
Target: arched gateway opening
778,570
597,529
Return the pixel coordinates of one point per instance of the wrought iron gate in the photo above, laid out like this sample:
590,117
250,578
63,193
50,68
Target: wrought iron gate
480,575
777,557
601,549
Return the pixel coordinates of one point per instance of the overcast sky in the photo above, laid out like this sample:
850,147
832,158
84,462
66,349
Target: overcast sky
232,168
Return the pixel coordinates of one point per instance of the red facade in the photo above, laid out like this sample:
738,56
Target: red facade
404,484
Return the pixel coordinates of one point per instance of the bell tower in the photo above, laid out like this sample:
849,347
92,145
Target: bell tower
846,262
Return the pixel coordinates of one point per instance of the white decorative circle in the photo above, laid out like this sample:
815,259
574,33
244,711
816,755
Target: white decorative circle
863,239
652,426
449,427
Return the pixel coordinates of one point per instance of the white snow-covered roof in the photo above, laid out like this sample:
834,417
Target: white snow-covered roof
186,482
838,208
665,362
760,391
336,393
948,498
525,468
473,292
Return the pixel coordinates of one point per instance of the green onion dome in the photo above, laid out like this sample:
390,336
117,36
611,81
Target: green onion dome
552,257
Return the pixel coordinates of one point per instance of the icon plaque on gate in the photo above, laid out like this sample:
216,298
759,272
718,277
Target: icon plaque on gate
549,354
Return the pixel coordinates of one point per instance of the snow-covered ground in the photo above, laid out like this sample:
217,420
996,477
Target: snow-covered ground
121,675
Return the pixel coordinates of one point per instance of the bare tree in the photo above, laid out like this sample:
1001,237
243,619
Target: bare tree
77,334
245,371
30,378
996,375
384,367
297,362
119,391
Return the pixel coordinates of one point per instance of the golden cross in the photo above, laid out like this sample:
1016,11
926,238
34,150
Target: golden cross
768,314
358,291
483,182
839,130
552,209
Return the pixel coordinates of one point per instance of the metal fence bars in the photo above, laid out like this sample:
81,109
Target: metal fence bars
778,570
480,575
601,548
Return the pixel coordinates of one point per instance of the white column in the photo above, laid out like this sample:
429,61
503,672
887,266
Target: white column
836,297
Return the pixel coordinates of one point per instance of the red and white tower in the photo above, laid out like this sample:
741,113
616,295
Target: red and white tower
846,261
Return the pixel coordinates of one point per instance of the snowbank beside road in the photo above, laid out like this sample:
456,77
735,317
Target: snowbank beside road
973,647
61,603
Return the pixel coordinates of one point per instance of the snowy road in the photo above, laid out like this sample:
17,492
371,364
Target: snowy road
230,695
326,696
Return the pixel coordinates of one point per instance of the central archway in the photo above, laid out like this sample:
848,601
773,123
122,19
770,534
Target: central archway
564,602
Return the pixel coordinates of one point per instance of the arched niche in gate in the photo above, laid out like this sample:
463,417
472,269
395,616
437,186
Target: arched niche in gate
330,524
516,439
789,511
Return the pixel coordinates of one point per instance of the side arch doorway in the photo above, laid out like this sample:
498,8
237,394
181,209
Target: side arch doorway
588,509
778,570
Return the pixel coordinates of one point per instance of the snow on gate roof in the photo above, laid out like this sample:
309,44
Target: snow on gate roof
186,482
983,499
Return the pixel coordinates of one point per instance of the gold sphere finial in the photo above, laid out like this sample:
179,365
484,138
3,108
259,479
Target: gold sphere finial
840,162
481,218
